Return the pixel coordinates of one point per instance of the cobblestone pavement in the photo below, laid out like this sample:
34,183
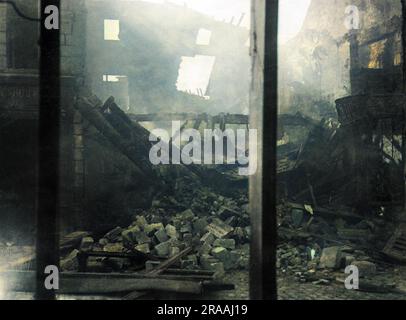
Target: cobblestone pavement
297,291
290,289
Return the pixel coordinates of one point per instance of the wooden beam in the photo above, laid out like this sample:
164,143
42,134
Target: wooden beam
229,118
404,43
263,117
100,283
404,91
92,114
166,264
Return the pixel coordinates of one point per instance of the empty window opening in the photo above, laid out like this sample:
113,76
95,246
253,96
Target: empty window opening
113,78
203,37
116,86
111,30
194,75
377,51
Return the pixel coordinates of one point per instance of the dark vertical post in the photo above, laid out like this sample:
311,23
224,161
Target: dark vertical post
354,63
263,117
404,43
48,153
404,92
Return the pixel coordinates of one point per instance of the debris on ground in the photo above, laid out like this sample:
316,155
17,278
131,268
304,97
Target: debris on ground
204,241
315,249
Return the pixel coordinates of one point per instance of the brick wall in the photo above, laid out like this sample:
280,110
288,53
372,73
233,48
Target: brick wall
73,36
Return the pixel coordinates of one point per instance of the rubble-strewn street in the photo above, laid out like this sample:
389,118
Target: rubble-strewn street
316,246
291,289
161,150
220,241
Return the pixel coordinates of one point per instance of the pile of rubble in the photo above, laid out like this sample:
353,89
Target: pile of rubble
320,266
316,245
217,229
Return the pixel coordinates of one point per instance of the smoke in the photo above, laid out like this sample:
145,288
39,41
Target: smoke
168,68
292,14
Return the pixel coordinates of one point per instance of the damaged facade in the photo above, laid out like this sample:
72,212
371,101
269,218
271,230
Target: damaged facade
363,165
346,204
19,109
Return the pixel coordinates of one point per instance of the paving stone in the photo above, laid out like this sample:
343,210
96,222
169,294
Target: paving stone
87,244
129,235
114,247
188,239
199,225
218,269
188,264
226,212
228,258
365,268
161,235
219,228
186,215
141,238
103,241
186,228
331,258
239,235
244,263
223,255
127,238
233,260
226,243
143,248
163,249
205,249
205,261
208,238
113,234
70,263
171,231
173,251
140,221
152,228
232,221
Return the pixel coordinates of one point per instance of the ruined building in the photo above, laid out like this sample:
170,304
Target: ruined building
364,165
130,228
93,63
373,115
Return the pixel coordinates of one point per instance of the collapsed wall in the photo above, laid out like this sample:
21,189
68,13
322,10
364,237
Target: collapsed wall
120,179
